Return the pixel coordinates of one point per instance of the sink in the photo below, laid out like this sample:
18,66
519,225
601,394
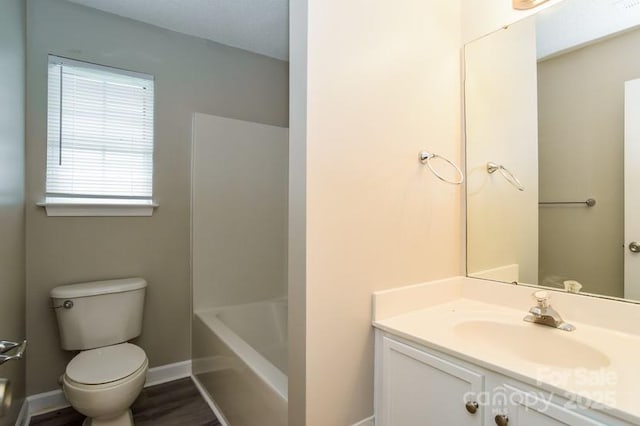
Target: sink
531,342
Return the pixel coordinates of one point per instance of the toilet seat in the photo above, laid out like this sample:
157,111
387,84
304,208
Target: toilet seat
106,365
70,384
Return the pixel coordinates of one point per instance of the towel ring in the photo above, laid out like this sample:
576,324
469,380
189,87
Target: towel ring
492,167
426,157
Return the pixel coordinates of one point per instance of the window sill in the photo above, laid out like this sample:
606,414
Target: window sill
87,209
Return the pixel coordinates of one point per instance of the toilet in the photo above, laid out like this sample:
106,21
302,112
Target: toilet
98,319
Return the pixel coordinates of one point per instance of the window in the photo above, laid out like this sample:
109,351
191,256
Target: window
99,136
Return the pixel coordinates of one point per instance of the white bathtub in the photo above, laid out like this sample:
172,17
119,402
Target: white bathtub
240,357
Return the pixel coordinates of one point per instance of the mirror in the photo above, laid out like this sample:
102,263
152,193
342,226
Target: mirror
553,103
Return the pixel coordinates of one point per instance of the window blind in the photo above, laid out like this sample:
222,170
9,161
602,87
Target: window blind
99,134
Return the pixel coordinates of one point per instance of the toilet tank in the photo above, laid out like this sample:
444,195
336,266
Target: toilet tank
99,313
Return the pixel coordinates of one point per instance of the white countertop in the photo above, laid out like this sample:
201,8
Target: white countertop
607,379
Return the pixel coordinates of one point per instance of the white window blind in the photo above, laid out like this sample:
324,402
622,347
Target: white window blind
99,134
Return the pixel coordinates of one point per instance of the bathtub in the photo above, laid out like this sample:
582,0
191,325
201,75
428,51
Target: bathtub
240,358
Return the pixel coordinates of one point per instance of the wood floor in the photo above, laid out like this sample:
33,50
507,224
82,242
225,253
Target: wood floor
175,403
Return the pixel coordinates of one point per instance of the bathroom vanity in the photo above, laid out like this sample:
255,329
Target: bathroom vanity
550,103
458,352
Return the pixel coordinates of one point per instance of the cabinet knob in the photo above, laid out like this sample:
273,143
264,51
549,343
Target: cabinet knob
471,407
502,420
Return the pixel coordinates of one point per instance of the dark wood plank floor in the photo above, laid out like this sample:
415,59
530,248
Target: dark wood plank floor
174,403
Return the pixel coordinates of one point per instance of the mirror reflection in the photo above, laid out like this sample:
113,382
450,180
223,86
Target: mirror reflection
553,141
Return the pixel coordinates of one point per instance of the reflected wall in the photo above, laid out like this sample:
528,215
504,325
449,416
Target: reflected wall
581,155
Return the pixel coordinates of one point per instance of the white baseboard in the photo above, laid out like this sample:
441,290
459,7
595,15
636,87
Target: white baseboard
212,404
45,402
369,421
54,400
168,372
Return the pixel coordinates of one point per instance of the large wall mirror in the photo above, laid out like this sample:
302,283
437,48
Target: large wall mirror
552,107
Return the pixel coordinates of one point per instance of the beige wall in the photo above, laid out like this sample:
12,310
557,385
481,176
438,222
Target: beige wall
12,66
382,83
581,155
239,211
192,75
502,127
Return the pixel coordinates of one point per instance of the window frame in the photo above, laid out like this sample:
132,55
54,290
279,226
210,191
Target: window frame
98,205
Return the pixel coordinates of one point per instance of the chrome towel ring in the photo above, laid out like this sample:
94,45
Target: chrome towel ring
426,157
492,167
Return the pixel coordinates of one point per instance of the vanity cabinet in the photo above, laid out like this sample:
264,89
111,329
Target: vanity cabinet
533,408
417,386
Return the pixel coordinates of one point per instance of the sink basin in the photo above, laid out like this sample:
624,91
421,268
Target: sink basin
532,342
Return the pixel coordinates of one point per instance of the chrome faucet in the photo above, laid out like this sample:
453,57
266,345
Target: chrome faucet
544,314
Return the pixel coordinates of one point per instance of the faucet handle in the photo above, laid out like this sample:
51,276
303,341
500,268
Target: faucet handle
542,298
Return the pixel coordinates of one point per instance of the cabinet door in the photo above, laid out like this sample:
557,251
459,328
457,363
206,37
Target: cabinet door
535,409
420,389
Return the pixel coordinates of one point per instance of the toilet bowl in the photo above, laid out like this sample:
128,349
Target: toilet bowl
102,383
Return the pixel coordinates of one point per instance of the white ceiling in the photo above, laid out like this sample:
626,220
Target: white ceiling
260,26
573,23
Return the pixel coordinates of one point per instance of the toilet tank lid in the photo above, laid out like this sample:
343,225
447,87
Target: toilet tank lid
95,288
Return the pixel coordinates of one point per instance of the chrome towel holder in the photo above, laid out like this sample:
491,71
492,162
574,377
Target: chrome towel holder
509,177
426,157
589,202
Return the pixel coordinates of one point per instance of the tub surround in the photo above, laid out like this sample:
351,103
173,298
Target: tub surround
239,327
606,339
239,176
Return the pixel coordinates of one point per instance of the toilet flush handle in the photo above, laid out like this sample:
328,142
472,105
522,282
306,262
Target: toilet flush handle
67,304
